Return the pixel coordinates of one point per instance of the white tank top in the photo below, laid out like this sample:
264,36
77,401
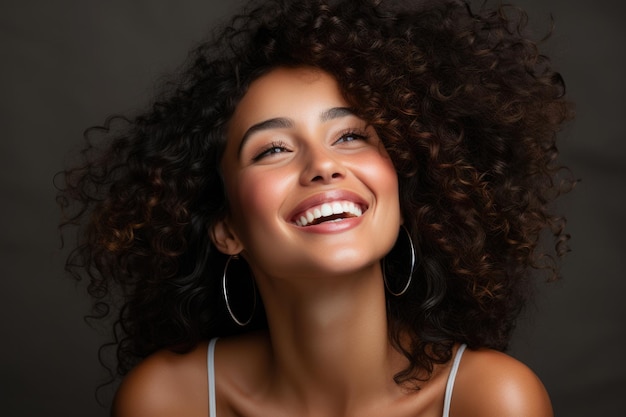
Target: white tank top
446,402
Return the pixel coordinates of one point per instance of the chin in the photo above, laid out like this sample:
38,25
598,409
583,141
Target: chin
347,263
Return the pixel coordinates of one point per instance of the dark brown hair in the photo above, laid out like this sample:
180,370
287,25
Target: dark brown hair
468,110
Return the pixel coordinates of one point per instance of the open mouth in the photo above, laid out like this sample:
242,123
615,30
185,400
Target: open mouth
328,212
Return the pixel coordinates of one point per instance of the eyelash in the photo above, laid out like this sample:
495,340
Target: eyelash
269,149
358,134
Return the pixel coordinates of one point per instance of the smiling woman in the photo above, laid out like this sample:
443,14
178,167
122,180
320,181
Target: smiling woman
349,195
292,151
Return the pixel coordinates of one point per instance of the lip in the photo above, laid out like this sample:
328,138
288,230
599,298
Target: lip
327,197
332,226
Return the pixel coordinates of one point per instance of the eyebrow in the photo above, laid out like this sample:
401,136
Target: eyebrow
285,123
335,113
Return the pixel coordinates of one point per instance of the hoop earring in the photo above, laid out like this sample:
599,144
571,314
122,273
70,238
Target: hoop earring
413,257
225,293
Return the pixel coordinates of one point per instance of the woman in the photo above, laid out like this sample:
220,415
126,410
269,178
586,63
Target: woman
349,195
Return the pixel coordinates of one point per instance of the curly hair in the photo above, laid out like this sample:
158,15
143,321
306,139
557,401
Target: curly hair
468,110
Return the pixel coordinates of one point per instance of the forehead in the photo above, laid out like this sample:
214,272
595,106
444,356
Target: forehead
295,93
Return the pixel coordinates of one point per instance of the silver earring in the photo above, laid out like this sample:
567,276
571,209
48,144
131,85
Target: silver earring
412,256
225,292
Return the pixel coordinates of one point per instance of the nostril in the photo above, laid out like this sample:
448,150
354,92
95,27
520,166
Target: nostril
323,178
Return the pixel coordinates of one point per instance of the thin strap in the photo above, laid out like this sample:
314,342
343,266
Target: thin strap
451,378
210,359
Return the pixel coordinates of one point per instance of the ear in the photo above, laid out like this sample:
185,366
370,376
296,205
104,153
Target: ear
224,238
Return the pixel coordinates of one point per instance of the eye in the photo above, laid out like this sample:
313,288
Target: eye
271,149
352,136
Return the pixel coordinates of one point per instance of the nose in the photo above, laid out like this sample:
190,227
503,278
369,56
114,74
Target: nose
321,166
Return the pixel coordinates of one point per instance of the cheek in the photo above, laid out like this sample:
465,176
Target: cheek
383,178
257,200
381,172
388,173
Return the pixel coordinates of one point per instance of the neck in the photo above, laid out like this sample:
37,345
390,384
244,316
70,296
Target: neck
329,339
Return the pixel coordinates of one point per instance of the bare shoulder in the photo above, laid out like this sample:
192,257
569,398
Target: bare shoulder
491,383
165,384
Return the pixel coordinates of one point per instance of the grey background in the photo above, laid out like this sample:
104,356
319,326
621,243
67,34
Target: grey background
65,65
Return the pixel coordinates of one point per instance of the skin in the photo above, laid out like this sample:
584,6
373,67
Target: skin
292,144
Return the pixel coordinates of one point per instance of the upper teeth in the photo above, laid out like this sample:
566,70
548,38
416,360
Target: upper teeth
329,209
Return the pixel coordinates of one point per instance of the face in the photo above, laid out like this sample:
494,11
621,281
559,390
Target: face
311,189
